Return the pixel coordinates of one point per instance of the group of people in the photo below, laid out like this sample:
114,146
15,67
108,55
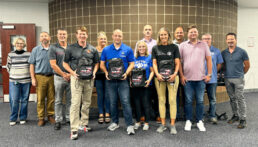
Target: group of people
179,70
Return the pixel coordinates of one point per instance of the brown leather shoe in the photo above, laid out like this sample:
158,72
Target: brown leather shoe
41,122
51,119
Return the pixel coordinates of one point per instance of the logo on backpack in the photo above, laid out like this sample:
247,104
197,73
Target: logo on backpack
138,77
85,68
115,69
166,68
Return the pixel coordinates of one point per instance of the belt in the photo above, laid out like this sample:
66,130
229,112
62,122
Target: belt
45,74
57,75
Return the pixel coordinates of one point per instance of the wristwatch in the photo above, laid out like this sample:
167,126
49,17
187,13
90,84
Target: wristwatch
209,75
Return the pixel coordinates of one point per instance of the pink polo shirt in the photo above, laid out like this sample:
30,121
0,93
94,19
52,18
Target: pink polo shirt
193,57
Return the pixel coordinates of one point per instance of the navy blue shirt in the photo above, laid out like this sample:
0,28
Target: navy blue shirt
39,57
234,62
144,62
124,52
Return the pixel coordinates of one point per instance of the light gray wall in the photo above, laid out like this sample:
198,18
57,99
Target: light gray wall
248,39
26,12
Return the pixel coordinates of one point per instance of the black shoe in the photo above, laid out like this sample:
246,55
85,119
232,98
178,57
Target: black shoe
57,126
242,124
233,119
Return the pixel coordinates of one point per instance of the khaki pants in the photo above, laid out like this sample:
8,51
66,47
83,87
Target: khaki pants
81,91
172,91
45,88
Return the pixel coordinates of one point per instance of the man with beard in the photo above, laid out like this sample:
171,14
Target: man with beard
61,78
42,77
236,65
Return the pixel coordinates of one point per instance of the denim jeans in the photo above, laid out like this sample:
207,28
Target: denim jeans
62,87
211,91
180,98
194,88
115,89
19,95
103,100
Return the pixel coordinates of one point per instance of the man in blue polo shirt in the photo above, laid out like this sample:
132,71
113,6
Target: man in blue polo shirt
119,88
236,65
212,85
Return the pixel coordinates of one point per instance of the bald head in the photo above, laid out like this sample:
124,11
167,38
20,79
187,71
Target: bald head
117,36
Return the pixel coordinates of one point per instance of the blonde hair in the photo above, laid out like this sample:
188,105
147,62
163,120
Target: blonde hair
101,33
21,39
137,54
170,41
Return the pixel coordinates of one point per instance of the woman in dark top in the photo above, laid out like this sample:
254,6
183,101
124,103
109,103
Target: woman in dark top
165,57
103,101
141,95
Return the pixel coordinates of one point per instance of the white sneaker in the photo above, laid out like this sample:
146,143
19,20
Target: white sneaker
137,126
113,127
145,127
74,135
130,130
22,122
12,123
161,128
85,128
188,125
200,126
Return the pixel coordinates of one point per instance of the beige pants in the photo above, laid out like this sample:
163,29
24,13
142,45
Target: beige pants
45,88
172,91
81,91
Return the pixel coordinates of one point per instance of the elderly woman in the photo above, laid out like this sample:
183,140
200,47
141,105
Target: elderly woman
165,56
19,81
103,101
141,95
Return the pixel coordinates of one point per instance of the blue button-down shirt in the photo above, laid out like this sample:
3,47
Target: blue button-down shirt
216,59
39,57
124,52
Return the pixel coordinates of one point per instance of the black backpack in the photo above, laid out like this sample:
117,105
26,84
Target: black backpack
138,77
166,68
115,69
85,68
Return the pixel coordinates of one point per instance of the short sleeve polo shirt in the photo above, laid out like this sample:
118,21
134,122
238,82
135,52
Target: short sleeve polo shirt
124,52
234,62
74,52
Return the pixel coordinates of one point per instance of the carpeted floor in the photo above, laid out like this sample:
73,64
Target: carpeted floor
222,134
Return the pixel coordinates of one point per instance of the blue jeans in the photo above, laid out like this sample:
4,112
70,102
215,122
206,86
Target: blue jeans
115,89
103,100
180,110
19,95
194,88
211,91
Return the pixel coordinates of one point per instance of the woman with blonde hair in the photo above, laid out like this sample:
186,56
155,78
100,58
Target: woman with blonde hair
141,95
103,100
19,81
165,57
